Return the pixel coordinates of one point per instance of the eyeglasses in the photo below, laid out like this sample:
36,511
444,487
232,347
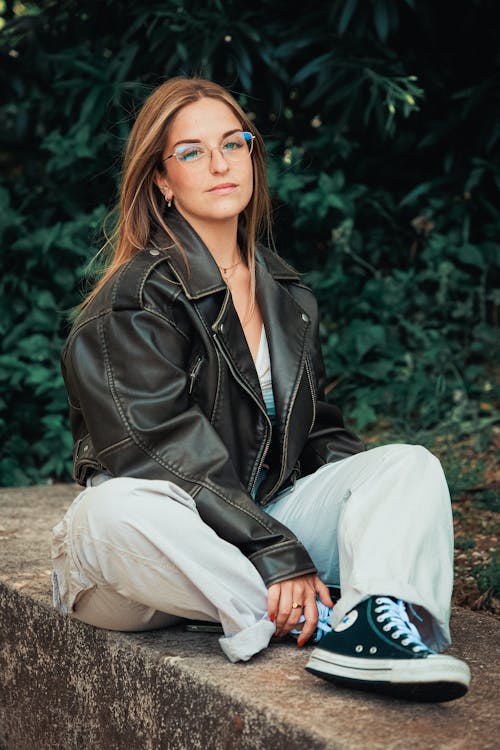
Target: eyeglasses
234,148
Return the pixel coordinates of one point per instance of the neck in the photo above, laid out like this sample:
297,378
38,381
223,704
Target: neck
220,237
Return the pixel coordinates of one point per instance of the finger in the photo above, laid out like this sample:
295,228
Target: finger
309,627
294,616
288,616
323,593
300,594
284,608
273,598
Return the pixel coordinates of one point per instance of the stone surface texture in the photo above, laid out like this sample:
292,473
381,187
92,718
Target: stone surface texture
67,685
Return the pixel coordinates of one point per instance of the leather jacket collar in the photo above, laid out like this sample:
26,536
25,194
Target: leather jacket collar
203,276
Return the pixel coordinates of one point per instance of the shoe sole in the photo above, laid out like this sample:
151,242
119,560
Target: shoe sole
434,678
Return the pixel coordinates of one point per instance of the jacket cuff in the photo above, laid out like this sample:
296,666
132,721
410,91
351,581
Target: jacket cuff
283,561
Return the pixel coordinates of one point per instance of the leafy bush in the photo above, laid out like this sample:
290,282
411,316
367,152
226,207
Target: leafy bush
383,164
488,576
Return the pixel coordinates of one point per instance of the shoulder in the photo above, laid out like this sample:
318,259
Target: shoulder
143,283
133,284
140,294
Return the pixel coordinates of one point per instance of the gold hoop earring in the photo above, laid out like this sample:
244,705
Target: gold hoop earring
168,200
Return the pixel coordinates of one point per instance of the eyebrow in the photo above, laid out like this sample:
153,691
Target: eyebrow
197,140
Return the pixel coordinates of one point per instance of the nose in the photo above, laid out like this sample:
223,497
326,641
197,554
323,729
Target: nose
218,163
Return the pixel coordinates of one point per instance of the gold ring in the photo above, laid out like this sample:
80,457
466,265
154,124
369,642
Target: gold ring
295,605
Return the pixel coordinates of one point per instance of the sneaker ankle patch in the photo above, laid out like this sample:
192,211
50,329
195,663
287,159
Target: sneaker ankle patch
347,621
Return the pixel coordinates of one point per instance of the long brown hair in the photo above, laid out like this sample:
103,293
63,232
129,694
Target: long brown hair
141,204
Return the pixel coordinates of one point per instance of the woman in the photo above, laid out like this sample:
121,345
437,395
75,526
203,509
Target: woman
219,483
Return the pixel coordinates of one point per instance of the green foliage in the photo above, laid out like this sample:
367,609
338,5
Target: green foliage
487,499
488,576
383,162
464,543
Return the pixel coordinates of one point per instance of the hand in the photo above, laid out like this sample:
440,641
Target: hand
303,590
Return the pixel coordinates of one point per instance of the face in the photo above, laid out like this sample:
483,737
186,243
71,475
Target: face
211,189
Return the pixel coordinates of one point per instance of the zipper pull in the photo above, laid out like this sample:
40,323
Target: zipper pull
194,373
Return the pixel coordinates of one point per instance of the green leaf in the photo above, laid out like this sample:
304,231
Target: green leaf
369,337
417,191
471,255
364,415
311,68
381,19
346,15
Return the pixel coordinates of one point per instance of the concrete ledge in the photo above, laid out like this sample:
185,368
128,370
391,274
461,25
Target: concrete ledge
66,685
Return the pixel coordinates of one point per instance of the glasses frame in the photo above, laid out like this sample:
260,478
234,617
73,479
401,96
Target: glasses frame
209,151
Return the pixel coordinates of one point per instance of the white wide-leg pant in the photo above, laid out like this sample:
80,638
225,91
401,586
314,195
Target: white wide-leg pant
133,554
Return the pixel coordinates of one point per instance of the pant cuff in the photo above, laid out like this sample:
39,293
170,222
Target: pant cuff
246,643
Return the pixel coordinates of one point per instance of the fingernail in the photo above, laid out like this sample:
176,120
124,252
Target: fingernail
271,617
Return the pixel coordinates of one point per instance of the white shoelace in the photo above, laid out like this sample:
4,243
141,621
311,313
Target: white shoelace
394,614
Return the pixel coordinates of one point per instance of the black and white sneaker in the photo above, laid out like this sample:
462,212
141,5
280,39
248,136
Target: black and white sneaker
376,647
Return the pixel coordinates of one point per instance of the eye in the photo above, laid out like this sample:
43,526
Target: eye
233,143
189,152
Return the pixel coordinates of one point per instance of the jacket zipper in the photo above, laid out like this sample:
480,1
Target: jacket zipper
313,392
285,443
240,380
287,423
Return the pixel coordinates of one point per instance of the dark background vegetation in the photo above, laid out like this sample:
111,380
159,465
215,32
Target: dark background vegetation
381,119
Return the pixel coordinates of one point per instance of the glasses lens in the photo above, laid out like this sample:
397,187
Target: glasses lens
190,152
237,145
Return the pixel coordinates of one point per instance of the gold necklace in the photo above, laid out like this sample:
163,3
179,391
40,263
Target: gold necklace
226,269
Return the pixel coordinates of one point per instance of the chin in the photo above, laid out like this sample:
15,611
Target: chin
222,215
215,213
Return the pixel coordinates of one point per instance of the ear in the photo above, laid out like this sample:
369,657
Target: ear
160,182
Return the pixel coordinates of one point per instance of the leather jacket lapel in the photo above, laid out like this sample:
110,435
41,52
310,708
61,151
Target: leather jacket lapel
201,276
228,330
286,329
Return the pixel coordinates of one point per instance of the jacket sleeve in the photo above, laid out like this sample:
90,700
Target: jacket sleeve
128,370
328,440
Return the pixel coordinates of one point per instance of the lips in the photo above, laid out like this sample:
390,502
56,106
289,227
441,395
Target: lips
223,187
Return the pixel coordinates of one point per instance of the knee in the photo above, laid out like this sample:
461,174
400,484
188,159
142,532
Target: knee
418,456
103,509
427,460
424,471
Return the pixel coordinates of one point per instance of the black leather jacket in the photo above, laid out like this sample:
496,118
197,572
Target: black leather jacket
162,385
